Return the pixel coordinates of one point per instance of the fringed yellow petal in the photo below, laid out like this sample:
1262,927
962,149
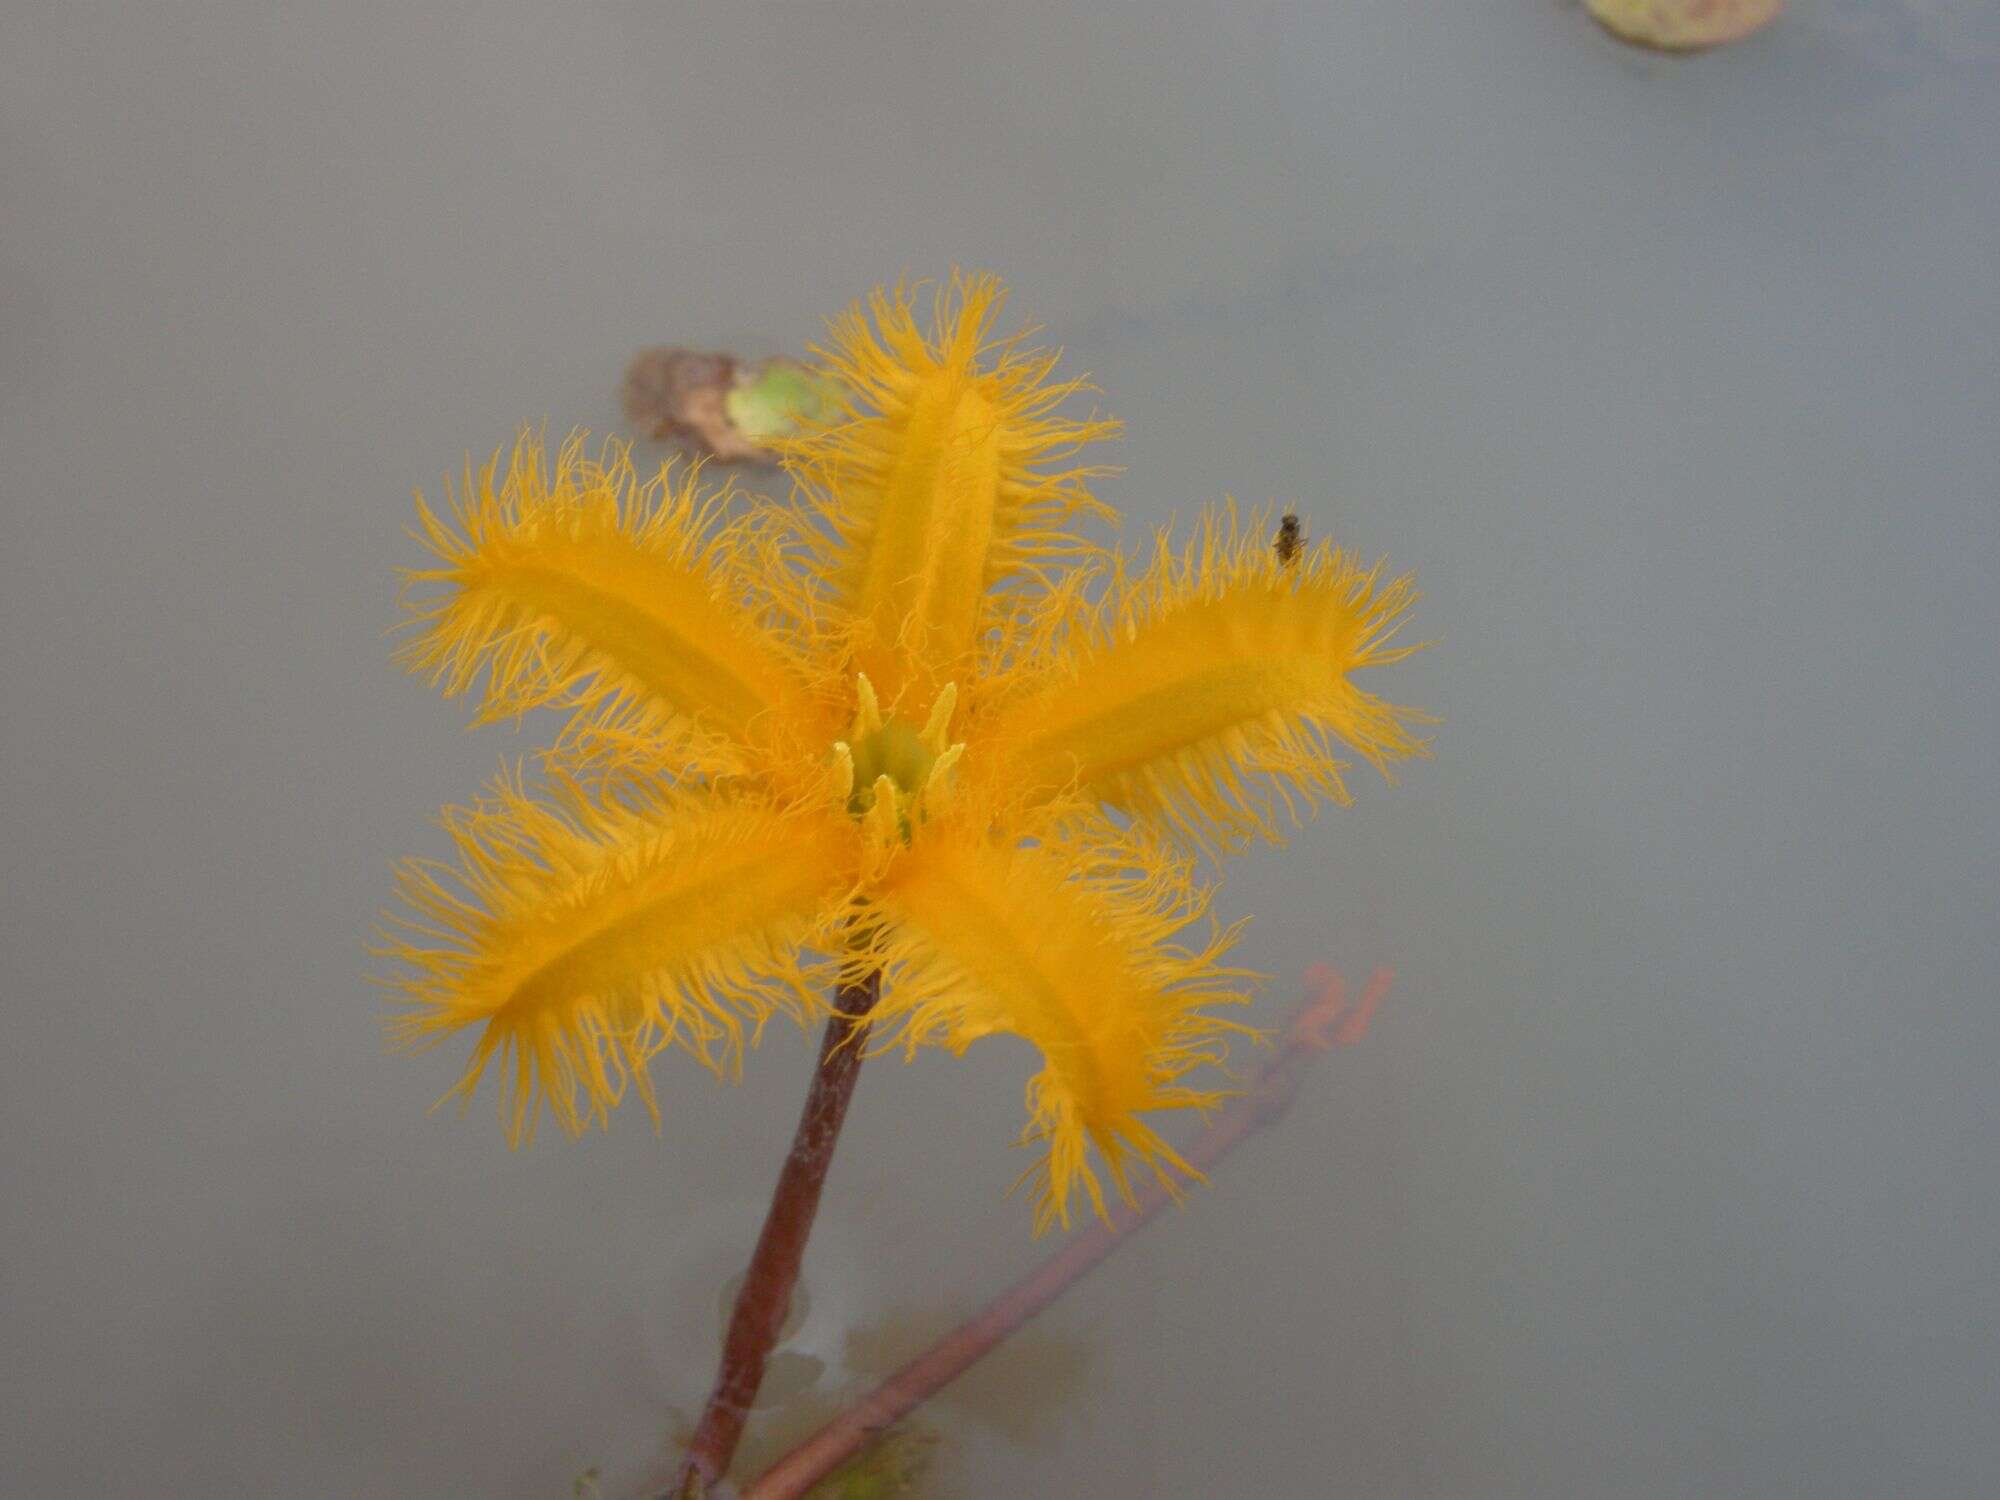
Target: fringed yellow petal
584,934
1070,948
580,587
1209,692
936,485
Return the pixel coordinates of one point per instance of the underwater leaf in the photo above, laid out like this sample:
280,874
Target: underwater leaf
893,1466
1017,1390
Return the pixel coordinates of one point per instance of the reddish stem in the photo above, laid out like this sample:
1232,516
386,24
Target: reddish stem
781,1246
1323,1021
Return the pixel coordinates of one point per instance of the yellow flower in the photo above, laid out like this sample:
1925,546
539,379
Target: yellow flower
912,722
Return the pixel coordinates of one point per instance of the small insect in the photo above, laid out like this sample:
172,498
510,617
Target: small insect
1291,538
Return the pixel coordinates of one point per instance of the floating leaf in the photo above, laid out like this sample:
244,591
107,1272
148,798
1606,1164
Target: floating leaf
723,407
1683,25
769,400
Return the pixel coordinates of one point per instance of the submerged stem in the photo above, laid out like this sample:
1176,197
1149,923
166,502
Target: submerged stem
774,1264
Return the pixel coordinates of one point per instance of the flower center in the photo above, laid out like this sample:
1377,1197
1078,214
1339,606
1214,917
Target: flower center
897,751
888,772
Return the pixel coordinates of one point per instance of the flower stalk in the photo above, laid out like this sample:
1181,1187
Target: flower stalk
781,1245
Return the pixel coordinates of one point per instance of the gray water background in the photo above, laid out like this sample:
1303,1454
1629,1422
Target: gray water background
1669,1168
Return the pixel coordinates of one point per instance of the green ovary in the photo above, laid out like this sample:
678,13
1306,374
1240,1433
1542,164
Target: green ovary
897,751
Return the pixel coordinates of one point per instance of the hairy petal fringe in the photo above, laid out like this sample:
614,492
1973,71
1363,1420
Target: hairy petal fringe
579,587
585,933
1070,947
934,486
1211,691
